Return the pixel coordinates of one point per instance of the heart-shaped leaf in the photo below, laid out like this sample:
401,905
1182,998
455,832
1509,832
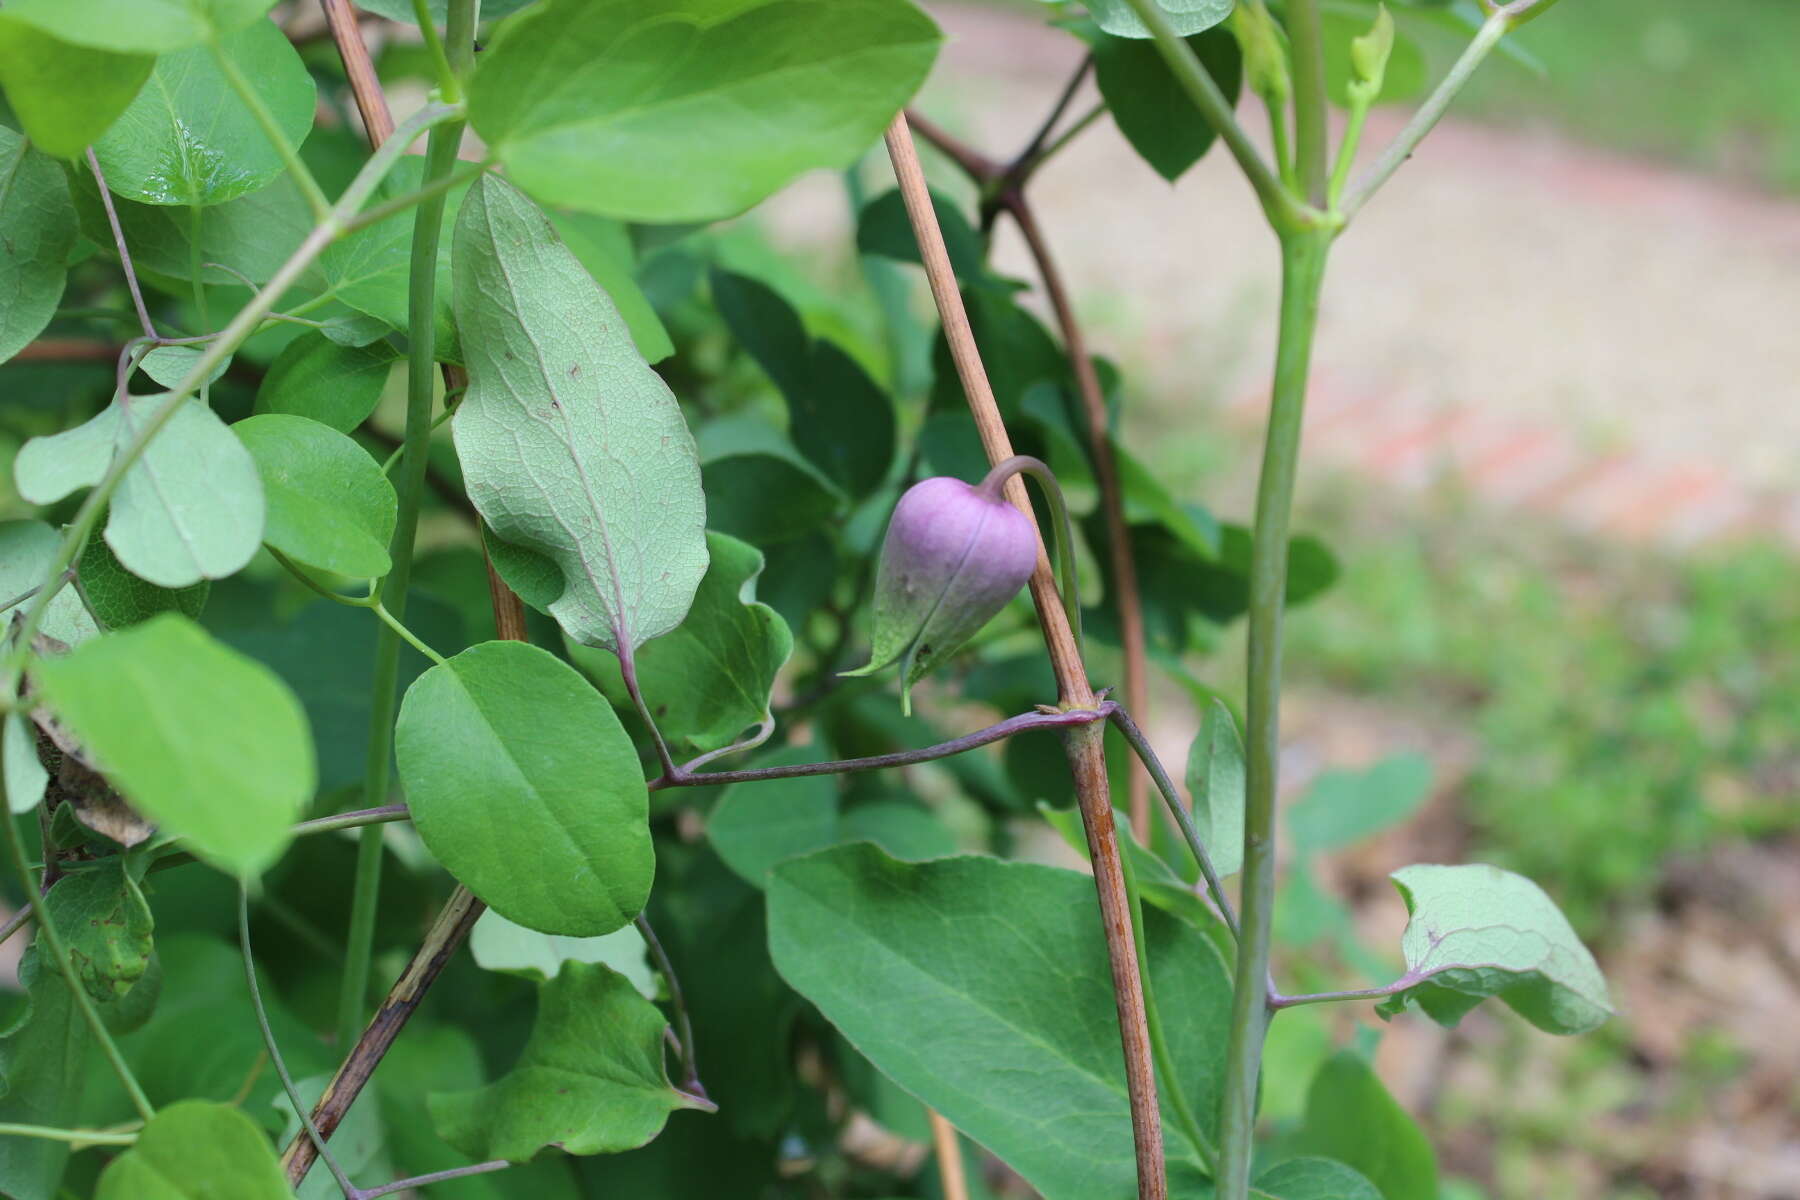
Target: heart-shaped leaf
570,444
524,785
591,1079
708,681
1478,931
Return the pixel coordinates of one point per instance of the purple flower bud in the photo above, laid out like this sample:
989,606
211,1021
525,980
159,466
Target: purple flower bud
954,555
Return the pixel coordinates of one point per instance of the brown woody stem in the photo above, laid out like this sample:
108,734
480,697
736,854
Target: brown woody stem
1112,500
1084,744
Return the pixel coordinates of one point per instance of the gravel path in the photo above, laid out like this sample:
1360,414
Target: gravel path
1611,340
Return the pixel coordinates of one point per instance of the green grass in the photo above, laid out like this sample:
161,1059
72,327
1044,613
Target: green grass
1627,707
1708,83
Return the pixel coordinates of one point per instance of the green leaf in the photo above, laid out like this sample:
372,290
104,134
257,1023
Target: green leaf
323,652
138,26
40,232
501,945
1407,73
370,270
41,1061
196,1150
882,227
1351,1117
201,1042
709,680
765,325
27,548
107,925
905,829
169,365
691,110
64,95
402,10
843,422
570,444
192,506
758,825
1023,1051
335,385
357,1143
1186,16
24,771
330,506
604,247
439,1058
1315,1179
591,1079
526,788
1478,931
1344,806
1151,109
252,235
187,138
1215,779
838,417
758,486
207,743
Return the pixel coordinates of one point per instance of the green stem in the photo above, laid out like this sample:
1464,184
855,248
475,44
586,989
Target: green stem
217,350
1191,74
59,954
448,86
1172,798
421,380
288,153
1159,1045
194,268
1310,129
1066,136
1302,272
1278,142
1408,139
313,585
78,1137
407,635
268,1035
400,204
1062,537
1346,156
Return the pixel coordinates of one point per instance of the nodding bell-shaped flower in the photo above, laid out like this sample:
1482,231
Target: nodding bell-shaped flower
954,555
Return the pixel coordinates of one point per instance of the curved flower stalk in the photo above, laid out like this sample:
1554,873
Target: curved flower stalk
954,556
